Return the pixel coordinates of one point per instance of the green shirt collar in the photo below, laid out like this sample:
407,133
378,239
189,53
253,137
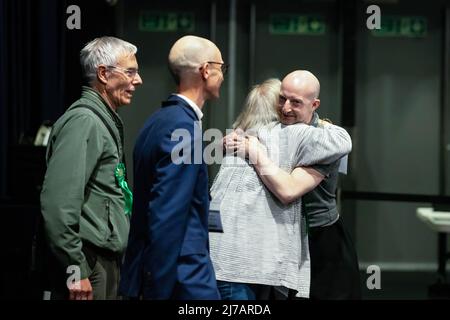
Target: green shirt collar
92,94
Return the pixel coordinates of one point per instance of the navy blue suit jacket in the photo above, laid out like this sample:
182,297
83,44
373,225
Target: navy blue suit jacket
169,224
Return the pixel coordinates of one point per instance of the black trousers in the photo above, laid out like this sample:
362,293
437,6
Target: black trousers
334,264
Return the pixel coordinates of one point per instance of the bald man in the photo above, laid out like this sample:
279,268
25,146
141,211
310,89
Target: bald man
168,251
299,97
334,263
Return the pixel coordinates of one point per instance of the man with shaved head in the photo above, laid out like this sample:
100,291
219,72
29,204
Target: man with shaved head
334,263
299,97
168,250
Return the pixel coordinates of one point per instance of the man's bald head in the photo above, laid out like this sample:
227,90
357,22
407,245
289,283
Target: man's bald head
299,95
304,82
188,53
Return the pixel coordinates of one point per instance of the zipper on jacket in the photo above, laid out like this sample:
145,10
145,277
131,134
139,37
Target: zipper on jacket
107,207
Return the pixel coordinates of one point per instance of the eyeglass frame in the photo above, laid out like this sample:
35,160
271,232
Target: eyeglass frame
223,66
130,72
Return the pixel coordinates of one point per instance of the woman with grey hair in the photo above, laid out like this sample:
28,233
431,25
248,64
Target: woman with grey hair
264,242
85,199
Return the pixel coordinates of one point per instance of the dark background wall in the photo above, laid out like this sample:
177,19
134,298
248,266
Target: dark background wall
390,93
40,76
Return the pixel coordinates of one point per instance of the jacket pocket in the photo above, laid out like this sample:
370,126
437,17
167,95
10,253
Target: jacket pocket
107,219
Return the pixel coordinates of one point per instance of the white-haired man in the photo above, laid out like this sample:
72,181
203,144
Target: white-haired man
85,200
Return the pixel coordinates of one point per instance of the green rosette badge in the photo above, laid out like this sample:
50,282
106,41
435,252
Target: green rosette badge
120,177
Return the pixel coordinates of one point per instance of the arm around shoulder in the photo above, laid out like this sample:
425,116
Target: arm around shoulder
287,187
323,145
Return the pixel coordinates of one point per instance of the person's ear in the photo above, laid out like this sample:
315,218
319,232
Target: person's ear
101,74
316,104
204,71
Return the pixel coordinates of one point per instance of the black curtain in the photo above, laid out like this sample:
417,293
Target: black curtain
40,74
18,66
30,75
3,113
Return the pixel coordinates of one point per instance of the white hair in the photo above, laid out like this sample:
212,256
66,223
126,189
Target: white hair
260,106
104,50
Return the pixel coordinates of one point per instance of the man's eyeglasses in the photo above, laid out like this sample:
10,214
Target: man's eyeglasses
130,72
223,66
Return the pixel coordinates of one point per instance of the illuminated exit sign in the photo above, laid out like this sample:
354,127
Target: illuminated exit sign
402,26
154,21
297,24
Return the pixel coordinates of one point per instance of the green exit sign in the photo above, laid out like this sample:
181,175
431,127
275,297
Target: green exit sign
402,26
297,24
154,21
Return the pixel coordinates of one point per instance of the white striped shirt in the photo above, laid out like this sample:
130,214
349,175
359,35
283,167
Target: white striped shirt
265,242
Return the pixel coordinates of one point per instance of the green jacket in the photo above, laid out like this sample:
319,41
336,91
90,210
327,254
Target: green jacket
80,199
